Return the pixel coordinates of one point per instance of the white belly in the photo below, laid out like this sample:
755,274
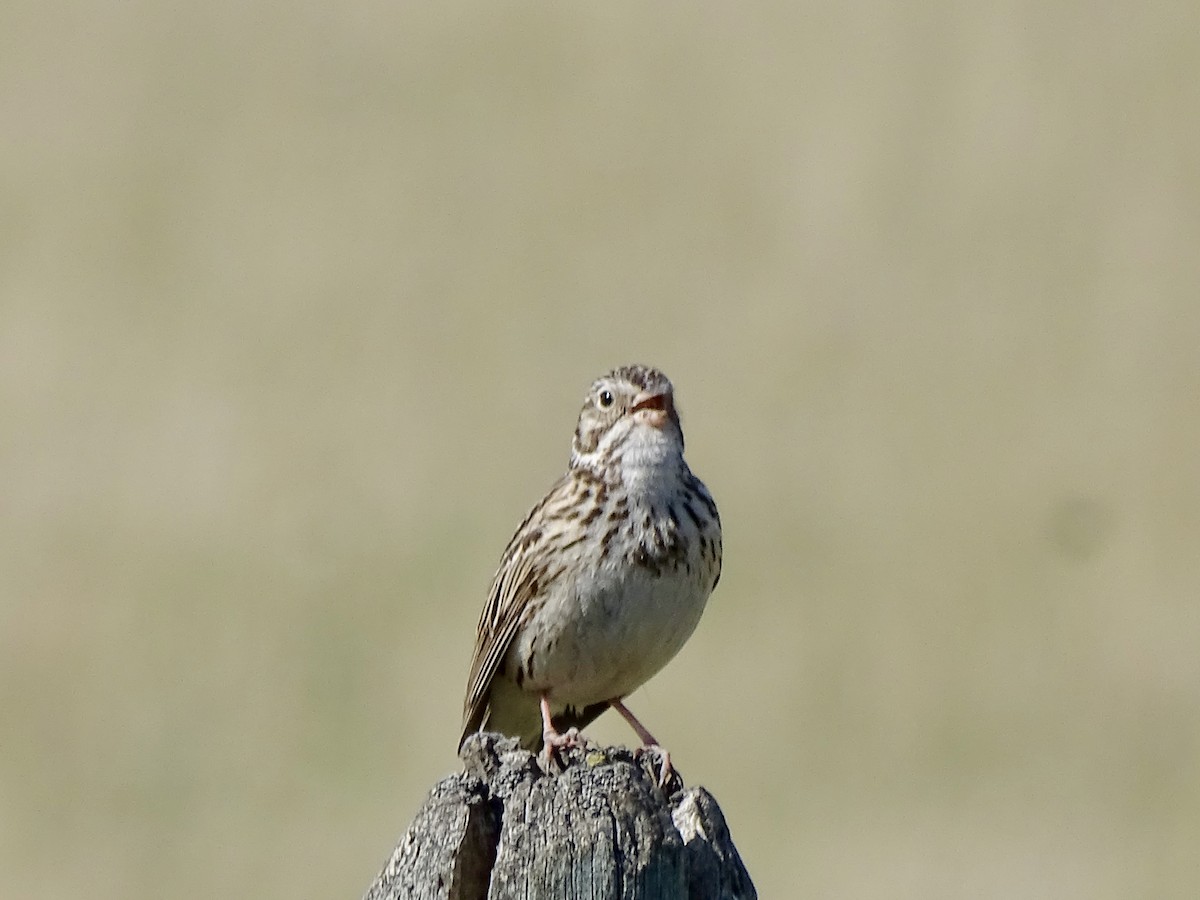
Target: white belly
603,634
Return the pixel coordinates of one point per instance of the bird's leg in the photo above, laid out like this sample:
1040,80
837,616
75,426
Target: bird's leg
647,739
551,739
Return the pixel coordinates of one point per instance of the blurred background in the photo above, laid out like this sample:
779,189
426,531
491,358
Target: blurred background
300,301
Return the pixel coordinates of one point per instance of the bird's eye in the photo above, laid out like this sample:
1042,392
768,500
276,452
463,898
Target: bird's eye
606,399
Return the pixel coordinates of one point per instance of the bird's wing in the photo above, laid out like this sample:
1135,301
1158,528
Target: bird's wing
520,577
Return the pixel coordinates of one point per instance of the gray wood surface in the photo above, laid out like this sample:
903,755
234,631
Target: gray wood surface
598,827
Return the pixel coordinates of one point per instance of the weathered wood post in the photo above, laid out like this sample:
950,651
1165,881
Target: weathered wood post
599,829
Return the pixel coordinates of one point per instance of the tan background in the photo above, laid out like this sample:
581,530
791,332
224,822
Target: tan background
299,303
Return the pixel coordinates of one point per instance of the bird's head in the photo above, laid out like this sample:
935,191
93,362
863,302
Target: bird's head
628,418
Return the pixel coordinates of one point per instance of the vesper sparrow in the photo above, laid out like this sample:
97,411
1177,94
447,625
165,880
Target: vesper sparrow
605,579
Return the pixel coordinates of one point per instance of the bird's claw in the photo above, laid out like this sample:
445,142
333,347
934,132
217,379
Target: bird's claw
666,770
554,741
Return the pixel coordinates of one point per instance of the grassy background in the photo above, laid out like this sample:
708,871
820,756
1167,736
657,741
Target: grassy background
298,305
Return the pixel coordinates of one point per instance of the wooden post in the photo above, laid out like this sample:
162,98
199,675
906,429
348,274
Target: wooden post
599,828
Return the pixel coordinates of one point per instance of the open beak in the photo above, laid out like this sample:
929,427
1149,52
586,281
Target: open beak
660,406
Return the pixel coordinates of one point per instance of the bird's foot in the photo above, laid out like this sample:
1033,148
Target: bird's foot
553,741
649,741
665,769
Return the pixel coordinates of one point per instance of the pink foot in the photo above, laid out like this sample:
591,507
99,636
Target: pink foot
552,740
665,771
647,739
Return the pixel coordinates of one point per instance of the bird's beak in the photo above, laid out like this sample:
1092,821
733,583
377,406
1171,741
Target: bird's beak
660,408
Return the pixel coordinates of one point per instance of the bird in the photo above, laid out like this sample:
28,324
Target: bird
603,581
